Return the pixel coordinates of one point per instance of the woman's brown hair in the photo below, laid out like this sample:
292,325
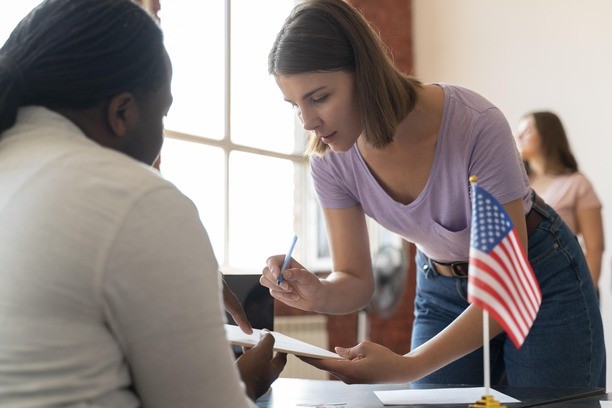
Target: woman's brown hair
330,35
554,145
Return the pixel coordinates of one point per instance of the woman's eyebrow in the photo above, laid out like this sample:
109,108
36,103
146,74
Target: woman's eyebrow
309,94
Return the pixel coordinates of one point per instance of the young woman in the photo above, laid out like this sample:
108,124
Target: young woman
553,173
386,145
109,288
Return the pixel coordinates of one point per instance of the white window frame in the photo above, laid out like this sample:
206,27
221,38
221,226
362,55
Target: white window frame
307,216
300,162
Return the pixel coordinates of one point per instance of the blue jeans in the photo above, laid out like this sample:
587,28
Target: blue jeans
565,346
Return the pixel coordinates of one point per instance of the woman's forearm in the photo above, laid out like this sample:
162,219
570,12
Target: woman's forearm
458,339
593,258
344,293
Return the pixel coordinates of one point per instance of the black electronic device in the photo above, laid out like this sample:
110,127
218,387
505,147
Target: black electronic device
255,299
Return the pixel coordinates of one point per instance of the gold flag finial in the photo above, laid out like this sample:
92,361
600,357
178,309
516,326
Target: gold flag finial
473,179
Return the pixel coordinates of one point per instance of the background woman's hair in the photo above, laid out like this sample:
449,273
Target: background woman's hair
77,53
330,35
554,145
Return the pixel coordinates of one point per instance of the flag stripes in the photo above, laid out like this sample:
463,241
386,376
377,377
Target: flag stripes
495,287
501,280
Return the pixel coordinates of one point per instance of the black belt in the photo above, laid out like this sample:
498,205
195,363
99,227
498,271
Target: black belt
460,269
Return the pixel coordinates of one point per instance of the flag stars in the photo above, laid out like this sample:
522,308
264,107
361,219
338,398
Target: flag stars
491,223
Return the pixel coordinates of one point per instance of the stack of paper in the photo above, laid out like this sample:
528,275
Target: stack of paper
439,396
282,343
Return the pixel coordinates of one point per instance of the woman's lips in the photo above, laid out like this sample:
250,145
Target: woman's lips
329,138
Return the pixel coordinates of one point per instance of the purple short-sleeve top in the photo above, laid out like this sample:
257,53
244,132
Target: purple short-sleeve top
474,139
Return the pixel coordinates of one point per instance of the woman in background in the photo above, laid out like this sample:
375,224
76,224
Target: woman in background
554,175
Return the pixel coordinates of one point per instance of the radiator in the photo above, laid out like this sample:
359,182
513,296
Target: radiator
311,329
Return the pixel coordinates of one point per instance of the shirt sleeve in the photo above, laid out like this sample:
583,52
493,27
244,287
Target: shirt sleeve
495,159
328,184
586,198
162,301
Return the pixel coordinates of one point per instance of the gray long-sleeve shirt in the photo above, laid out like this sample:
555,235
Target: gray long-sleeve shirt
109,289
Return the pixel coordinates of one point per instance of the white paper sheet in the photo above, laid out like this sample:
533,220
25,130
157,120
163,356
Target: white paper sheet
282,343
606,404
439,396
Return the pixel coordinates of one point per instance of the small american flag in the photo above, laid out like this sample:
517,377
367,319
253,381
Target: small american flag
500,278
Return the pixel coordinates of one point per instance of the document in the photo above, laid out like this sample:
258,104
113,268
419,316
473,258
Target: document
282,343
439,396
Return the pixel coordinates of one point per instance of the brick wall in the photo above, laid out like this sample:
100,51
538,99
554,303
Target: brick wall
393,20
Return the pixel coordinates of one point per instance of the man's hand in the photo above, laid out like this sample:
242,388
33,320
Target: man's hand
259,366
234,308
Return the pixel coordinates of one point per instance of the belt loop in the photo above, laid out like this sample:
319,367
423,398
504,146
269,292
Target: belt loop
456,269
428,268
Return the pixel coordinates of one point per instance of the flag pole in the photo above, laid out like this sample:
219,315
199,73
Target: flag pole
487,400
486,352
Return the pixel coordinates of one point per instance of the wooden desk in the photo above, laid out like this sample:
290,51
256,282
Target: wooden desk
288,392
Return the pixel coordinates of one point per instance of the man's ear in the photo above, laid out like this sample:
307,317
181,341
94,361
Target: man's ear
122,113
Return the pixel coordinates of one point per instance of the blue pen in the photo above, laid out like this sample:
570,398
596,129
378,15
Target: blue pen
287,260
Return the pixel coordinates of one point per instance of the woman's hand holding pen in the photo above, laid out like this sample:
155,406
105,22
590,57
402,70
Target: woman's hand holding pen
299,287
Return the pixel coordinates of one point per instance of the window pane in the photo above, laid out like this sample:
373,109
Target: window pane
194,32
317,248
261,208
197,170
260,117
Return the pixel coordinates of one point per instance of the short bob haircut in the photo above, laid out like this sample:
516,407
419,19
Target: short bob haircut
330,35
554,145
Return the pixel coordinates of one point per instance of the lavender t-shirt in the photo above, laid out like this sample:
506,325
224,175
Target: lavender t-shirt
474,139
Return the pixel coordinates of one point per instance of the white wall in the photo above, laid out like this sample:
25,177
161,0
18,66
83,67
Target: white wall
528,55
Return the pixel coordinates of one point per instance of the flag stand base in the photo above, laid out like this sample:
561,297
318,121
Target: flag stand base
486,401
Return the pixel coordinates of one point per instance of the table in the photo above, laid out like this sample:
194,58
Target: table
288,392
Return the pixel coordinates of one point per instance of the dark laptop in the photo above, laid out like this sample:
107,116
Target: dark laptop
255,299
